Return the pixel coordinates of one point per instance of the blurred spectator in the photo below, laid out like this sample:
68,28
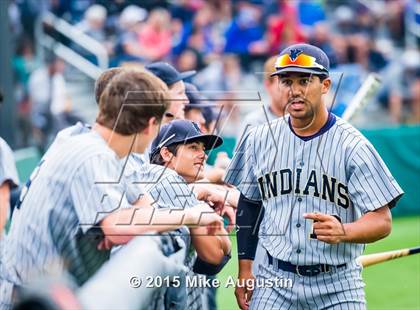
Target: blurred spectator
310,12
14,19
76,8
93,22
223,74
114,9
284,29
321,37
24,63
340,46
51,108
190,59
394,20
29,10
226,40
365,53
344,18
402,84
366,21
130,24
198,33
155,37
245,29
183,10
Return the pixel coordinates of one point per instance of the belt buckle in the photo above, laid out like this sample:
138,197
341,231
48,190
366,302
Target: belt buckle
327,268
310,272
297,271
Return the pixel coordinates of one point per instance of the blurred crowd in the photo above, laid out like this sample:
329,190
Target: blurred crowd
227,42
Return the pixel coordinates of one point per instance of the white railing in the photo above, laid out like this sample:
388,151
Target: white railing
78,37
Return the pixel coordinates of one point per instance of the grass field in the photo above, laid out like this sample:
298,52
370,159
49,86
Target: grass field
391,285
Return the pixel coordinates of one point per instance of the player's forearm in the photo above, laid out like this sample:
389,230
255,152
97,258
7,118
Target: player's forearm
211,249
121,226
4,205
203,191
245,267
370,227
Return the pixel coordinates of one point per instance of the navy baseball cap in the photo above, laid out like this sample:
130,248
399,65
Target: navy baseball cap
303,58
198,101
168,73
182,131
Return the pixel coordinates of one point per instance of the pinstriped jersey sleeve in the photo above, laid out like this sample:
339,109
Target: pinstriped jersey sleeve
371,185
94,193
241,169
8,170
173,192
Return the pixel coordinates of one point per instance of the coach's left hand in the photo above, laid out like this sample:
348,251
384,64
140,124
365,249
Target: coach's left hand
327,227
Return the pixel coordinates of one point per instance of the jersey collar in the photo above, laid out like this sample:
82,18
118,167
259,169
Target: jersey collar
330,122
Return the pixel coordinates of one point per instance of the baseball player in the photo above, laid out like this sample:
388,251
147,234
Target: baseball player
276,107
8,180
175,82
278,99
75,191
177,158
325,190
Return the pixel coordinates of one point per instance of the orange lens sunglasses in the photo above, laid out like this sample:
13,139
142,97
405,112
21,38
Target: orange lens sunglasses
302,60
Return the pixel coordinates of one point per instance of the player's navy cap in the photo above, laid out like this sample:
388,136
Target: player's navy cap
198,101
183,131
168,73
304,58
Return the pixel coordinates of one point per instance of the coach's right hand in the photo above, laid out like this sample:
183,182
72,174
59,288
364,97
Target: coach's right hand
244,287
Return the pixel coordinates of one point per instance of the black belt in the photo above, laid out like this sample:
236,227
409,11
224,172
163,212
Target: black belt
302,270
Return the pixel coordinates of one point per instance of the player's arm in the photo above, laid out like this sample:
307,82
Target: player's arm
372,226
122,225
211,249
248,220
4,204
216,193
372,190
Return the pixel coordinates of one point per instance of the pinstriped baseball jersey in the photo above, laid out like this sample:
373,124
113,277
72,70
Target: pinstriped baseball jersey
8,170
61,203
133,189
169,189
255,118
337,172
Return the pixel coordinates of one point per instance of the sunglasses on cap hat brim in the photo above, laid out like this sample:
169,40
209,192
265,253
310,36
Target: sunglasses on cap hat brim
302,63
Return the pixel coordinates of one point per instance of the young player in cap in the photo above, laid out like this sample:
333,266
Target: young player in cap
177,158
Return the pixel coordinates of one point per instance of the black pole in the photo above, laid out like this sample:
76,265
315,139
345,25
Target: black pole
8,117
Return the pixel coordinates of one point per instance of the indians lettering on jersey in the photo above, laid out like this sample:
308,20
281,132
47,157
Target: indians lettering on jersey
285,181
